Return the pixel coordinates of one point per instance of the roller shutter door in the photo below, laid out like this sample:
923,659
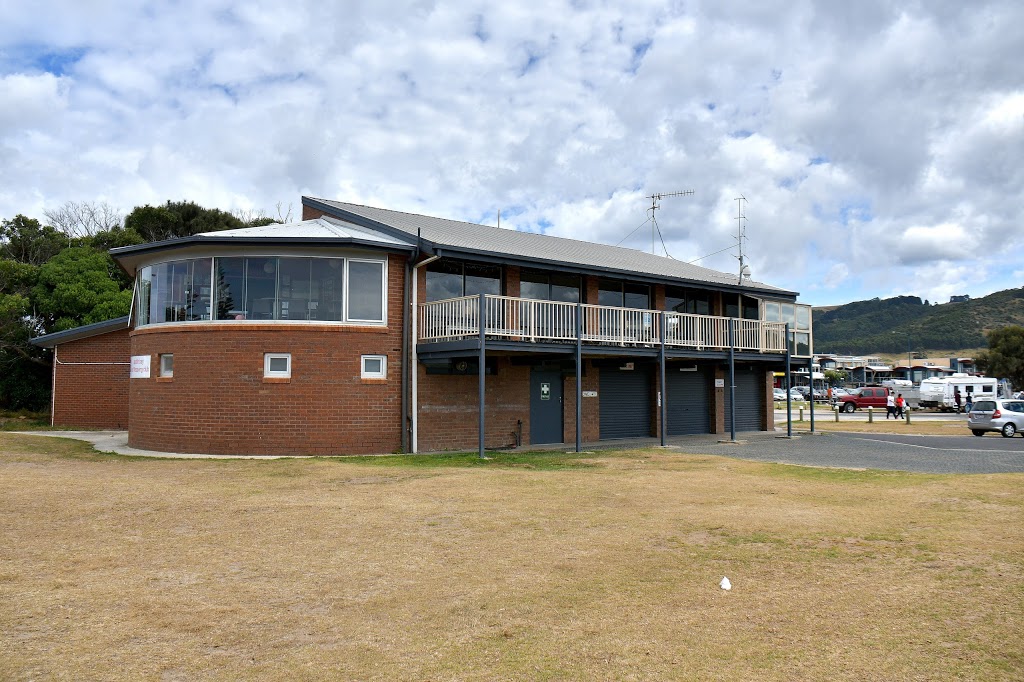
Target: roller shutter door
687,408
749,399
625,397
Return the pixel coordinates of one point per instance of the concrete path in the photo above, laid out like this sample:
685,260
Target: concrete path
117,442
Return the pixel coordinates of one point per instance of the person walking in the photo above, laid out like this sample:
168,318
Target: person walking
956,399
900,404
890,406
969,404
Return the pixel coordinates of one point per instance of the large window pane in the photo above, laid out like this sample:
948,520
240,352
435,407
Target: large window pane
483,279
293,285
444,280
637,296
261,288
366,291
326,289
565,288
750,308
534,285
609,293
230,282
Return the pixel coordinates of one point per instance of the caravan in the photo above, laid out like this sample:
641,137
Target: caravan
940,391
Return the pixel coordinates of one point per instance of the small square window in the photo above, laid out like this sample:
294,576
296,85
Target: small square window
277,365
167,364
375,367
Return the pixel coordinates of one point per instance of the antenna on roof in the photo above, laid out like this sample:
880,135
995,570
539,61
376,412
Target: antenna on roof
741,234
655,198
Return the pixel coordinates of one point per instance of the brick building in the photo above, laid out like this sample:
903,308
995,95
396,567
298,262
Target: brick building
365,330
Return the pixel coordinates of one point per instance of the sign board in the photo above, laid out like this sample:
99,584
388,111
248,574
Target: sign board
545,391
589,394
719,383
627,366
140,367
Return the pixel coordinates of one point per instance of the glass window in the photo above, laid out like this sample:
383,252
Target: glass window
366,290
543,286
772,311
609,293
261,288
803,317
482,279
374,367
637,296
277,365
167,365
750,308
444,280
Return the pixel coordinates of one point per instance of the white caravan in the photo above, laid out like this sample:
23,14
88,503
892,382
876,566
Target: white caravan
939,391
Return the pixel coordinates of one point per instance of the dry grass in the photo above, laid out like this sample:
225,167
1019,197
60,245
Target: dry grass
544,568
919,427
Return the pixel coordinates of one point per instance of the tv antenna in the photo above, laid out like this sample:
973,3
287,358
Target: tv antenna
741,234
655,229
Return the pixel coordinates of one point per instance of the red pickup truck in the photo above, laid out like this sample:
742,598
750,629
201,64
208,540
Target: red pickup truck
868,396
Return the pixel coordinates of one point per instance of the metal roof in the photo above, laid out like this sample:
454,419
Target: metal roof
441,234
83,332
324,231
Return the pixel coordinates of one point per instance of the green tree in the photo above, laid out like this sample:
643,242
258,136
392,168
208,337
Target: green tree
75,287
1005,355
178,219
25,240
834,377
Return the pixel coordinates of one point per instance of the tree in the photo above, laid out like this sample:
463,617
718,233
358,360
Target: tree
75,287
834,377
26,241
83,219
1005,356
178,219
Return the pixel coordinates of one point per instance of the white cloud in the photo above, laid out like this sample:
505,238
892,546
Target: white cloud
874,141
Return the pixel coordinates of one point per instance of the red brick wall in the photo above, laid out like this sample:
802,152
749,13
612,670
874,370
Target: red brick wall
591,412
449,408
92,395
218,401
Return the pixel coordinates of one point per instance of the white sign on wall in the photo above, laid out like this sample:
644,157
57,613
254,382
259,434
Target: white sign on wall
589,394
140,367
719,383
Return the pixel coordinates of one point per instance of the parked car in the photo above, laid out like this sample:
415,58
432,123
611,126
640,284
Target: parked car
795,394
996,414
778,394
868,396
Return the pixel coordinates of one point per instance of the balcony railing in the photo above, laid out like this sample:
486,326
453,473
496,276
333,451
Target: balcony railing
527,320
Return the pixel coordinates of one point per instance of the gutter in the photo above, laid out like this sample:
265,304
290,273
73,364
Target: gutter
413,301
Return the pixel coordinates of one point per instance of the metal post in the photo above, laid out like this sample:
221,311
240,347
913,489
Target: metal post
810,373
789,385
482,321
579,377
664,388
732,383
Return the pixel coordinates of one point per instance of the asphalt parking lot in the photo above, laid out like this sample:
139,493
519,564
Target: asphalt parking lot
925,454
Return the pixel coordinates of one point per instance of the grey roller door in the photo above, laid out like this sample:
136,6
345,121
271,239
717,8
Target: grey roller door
625,403
687,407
749,399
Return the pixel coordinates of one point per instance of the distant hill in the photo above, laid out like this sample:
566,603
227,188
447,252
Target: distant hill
886,326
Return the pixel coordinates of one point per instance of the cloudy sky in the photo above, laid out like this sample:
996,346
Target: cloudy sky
879,145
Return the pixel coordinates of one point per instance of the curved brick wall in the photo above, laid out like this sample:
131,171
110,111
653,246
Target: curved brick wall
218,401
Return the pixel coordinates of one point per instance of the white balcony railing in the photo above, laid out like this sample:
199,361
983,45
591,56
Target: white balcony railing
527,320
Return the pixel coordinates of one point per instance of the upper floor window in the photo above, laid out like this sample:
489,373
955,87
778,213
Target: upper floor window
693,301
452,279
740,306
623,294
799,318
264,288
549,286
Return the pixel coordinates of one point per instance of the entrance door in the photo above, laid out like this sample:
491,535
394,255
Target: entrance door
546,407
625,402
688,406
750,403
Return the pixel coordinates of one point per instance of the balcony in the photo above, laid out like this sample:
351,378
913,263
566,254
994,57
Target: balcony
529,321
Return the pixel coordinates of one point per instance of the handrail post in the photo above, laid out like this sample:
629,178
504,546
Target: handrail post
482,370
579,377
664,388
789,386
810,373
732,383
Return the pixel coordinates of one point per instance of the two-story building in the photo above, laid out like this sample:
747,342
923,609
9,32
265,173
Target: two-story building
366,330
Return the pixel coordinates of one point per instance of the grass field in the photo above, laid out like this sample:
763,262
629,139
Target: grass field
523,567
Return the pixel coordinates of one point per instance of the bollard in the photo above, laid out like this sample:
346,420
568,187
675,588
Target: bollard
801,414
906,413
870,415
835,408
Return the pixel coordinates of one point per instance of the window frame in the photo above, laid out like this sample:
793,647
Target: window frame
269,373
366,374
164,372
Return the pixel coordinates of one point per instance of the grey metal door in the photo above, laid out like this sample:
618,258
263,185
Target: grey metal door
625,397
546,407
750,391
687,408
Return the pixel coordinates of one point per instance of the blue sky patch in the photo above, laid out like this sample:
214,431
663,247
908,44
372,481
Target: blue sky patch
41,58
818,161
741,134
639,50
